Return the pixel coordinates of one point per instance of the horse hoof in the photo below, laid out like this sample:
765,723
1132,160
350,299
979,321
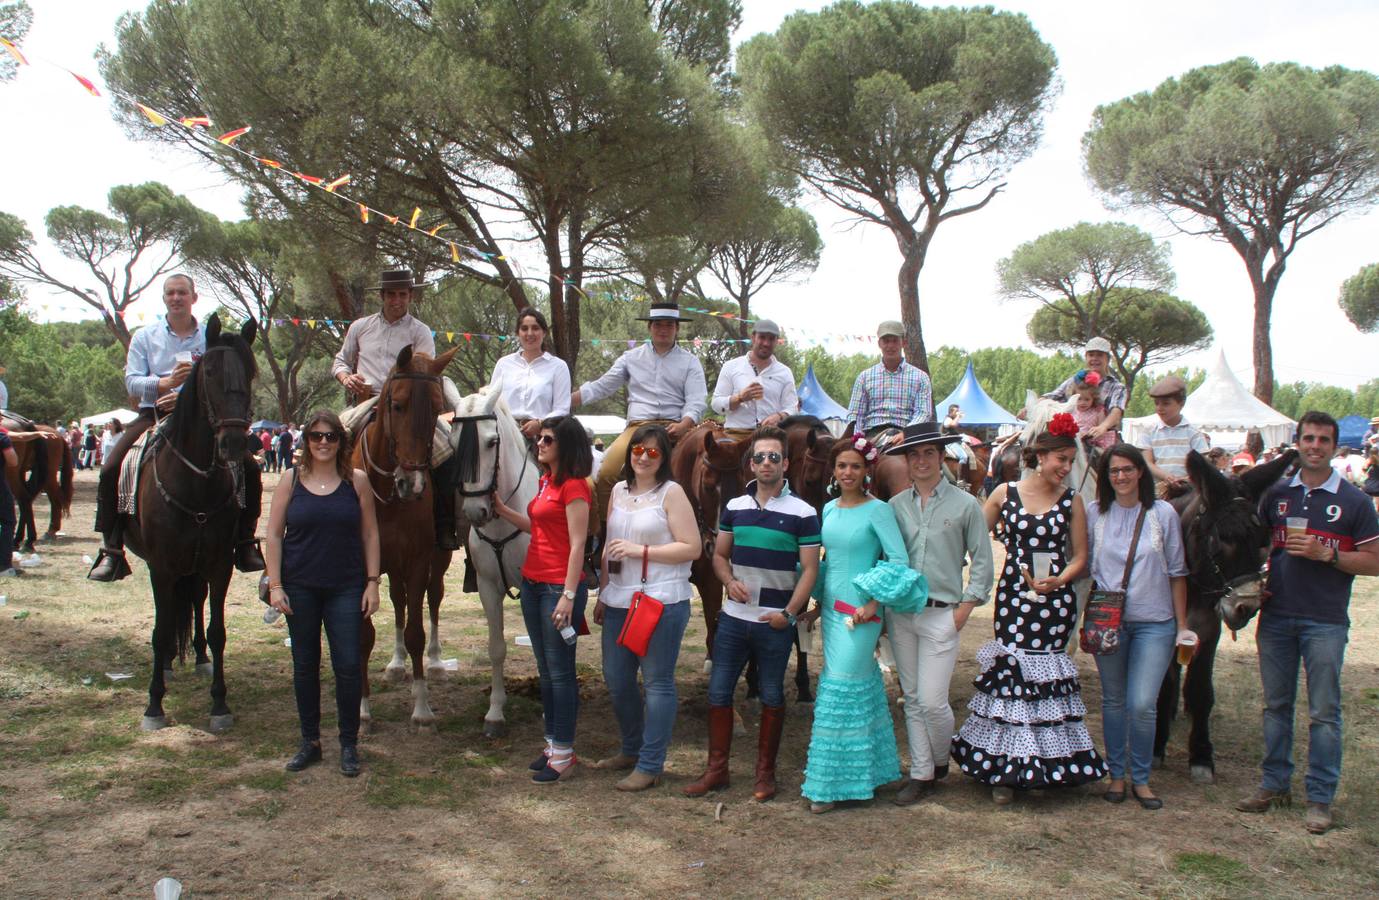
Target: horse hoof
1202,774
494,730
395,674
435,673
221,724
420,726
153,723
205,668
365,726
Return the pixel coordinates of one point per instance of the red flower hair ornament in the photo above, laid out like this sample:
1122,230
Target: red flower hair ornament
870,452
1063,425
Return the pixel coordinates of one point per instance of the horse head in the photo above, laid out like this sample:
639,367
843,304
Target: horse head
482,425
1226,538
218,392
408,405
808,445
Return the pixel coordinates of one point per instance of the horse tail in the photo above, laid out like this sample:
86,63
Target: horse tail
185,602
38,471
66,481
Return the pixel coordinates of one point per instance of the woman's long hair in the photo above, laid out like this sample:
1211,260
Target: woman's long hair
342,458
1105,494
640,436
573,457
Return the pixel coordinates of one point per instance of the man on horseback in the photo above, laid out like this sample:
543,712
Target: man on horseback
1098,356
755,389
366,357
892,393
665,386
159,360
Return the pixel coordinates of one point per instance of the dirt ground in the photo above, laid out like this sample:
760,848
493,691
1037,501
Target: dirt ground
90,806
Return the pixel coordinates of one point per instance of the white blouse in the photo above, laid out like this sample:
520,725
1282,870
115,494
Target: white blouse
642,519
534,390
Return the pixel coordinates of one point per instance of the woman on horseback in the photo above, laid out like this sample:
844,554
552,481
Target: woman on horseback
322,556
553,590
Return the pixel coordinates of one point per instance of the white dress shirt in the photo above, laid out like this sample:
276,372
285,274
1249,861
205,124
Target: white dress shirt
372,344
659,385
153,355
534,390
777,383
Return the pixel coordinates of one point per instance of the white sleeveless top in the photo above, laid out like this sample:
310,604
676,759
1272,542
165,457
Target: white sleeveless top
642,519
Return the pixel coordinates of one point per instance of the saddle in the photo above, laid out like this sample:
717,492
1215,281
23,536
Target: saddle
132,467
13,421
357,417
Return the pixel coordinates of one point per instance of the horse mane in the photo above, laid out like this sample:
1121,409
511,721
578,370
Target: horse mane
187,413
467,447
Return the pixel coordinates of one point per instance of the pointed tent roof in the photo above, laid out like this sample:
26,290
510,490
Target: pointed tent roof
1223,405
815,402
977,407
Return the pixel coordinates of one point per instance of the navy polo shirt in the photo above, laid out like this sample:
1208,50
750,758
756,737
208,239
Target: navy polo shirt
1338,514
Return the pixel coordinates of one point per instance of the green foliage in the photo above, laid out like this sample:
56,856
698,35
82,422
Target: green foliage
1298,397
1144,327
1360,298
1258,156
15,20
900,114
771,242
55,373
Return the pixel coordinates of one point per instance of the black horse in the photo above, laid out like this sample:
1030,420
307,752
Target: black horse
191,486
1226,543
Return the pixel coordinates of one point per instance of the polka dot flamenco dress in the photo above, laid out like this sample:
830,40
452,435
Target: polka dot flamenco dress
1026,729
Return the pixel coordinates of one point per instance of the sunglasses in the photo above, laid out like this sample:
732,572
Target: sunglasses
546,440
650,452
770,456
329,437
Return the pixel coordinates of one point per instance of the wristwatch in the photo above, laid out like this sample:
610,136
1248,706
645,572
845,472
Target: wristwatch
568,595
790,617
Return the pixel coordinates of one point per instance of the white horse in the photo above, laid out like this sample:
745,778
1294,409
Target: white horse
493,458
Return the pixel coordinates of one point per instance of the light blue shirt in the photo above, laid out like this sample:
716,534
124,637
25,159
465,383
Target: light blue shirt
667,385
153,355
1158,557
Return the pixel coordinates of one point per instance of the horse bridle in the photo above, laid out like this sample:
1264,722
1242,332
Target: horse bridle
384,419
469,444
1220,585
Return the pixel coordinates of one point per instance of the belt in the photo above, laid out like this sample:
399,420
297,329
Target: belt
939,604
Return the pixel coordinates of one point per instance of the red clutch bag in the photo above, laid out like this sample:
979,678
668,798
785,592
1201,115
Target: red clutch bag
642,617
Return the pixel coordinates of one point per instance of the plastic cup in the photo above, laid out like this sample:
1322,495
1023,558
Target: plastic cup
1043,562
1296,526
184,357
1187,647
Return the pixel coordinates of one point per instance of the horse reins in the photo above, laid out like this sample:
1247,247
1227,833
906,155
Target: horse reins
384,420
469,467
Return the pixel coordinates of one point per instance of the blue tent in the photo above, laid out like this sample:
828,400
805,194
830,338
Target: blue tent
977,407
815,402
1353,430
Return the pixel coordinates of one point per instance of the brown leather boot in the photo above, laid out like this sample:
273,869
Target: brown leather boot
768,744
715,777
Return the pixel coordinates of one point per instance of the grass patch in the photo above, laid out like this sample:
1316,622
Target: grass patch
470,760
267,810
164,785
1212,867
266,781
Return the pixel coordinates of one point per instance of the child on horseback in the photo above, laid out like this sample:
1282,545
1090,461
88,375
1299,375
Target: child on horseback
1089,411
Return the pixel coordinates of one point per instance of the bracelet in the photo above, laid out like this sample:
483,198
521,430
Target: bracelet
275,587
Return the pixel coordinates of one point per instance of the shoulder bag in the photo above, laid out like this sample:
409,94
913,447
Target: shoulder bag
642,616
1103,623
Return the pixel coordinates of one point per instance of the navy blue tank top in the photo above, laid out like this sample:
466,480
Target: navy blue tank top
322,544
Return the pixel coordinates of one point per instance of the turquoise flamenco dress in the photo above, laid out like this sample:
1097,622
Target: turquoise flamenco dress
852,748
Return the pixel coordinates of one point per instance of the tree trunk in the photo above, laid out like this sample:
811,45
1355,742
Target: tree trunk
908,280
117,327
1263,348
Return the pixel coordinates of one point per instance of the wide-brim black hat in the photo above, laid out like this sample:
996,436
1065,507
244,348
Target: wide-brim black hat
398,278
921,433
664,312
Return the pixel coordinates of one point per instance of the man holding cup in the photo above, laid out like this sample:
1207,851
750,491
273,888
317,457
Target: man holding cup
159,359
756,389
1325,533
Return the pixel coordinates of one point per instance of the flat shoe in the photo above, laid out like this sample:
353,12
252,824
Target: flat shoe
308,755
1148,802
1114,796
820,808
637,780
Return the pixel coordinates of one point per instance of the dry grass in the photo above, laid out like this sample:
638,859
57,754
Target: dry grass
90,806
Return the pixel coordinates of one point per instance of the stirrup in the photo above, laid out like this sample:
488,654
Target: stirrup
112,565
249,556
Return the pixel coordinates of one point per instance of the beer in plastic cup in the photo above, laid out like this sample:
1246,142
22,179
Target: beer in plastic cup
1296,526
1187,646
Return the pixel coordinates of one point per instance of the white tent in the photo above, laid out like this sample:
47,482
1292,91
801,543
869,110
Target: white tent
1225,410
603,424
124,414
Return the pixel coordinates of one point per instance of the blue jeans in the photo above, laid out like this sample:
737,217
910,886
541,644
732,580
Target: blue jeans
1282,642
339,610
645,730
1131,678
736,641
555,659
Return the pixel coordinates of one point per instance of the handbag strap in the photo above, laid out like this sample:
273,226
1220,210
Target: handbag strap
646,554
1134,544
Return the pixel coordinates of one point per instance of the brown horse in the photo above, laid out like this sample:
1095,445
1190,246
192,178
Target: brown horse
976,468
190,485
395,451
45,467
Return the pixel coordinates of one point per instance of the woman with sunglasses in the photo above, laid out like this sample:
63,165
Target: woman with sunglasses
534,382
1154,618
651,528
322,558
553,591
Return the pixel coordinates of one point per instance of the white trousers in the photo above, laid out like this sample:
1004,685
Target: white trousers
925,646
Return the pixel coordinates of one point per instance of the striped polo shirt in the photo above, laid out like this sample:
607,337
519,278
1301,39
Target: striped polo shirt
766,547
1171,443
